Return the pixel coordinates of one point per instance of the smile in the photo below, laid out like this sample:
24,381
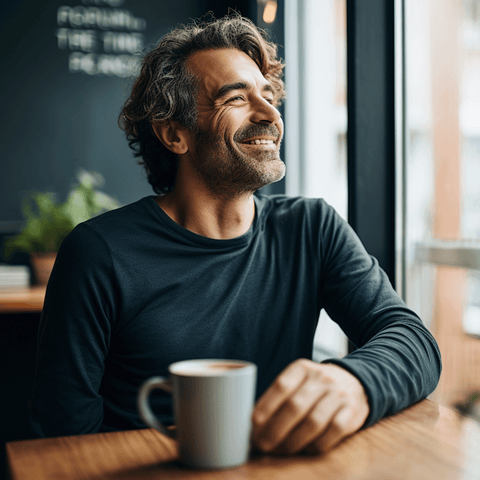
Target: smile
258,145
259,142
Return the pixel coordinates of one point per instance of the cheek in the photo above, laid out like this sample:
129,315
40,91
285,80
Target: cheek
224,123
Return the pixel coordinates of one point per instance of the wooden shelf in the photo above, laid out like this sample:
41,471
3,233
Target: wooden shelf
22,300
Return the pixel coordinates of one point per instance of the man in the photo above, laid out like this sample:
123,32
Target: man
210,269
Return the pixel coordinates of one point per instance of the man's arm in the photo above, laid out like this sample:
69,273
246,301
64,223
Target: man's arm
397,361
74,338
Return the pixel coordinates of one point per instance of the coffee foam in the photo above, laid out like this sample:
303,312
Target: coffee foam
205,368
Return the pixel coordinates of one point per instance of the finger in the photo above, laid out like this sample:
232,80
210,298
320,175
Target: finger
315,423
294,409
284,385
342,425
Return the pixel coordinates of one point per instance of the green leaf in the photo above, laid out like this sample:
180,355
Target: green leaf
48,222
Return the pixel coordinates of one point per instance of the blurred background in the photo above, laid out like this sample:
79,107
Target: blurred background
442,185
67,67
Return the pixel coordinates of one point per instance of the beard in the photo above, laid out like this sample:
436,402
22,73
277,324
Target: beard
228,171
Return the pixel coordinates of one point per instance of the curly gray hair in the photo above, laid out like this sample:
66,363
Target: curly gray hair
166,90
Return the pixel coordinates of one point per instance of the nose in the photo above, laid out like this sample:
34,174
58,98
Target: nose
265,112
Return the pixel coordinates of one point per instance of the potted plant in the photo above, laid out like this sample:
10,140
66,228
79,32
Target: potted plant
48,222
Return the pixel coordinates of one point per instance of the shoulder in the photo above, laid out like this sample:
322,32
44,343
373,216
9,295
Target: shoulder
295,209
311,220
113,228
123,217
95,237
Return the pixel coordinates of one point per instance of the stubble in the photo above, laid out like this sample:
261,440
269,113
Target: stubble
229,172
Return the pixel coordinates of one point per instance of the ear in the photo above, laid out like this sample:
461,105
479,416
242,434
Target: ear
172,135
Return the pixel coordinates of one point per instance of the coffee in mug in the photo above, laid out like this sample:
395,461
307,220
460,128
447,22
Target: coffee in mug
211,368
213,402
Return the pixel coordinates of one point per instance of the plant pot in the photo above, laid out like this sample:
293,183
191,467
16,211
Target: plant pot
42,265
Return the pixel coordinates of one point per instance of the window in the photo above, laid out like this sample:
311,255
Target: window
442,267
316,119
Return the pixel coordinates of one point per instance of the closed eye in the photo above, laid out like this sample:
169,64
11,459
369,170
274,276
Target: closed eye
233,99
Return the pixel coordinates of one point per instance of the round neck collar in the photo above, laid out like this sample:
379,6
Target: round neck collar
200,239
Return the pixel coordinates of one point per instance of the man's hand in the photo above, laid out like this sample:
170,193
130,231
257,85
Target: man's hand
309,406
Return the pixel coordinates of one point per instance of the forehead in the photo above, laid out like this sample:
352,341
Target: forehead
216,68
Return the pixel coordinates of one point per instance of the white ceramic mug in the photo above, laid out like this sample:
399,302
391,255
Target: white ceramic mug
213,402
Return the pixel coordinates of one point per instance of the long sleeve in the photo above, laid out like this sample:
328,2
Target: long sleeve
74,337
132,292
397,359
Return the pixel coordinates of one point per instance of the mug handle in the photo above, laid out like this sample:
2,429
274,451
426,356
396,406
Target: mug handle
143,406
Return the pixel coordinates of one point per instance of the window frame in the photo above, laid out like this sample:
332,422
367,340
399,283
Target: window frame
374,136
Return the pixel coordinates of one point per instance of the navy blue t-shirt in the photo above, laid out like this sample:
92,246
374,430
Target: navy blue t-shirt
132,292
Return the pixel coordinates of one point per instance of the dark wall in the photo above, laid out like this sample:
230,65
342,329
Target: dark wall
55,121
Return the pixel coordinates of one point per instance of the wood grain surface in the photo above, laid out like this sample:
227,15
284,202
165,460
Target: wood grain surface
426,441
13,300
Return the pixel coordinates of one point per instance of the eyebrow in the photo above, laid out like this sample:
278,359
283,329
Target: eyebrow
223,91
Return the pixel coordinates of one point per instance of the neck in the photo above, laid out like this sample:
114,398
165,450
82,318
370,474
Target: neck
208,215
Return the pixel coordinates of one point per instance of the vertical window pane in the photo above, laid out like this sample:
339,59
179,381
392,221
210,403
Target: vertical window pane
442,64
316,119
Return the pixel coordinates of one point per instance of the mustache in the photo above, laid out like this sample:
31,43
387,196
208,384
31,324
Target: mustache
256,130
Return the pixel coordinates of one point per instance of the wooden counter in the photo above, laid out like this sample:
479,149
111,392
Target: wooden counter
426,441
16,300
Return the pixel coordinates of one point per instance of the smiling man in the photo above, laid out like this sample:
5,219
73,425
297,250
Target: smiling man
232,151
209,268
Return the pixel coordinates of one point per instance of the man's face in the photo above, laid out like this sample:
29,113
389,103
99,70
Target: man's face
236,144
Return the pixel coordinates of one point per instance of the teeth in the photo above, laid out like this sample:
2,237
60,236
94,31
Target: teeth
260,142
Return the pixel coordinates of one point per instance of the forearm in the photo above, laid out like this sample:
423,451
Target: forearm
399,366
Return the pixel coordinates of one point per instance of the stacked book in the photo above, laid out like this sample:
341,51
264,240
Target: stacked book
14,276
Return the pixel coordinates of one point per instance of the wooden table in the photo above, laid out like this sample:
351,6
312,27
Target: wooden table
22,300
424,442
